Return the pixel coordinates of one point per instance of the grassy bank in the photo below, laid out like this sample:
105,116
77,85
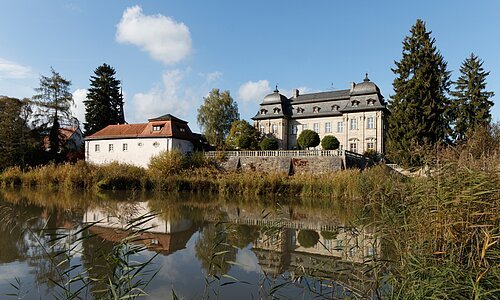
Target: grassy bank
204,177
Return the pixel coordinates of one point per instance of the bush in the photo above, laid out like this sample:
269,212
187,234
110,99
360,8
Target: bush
308,138
330,142
308,238
167,163
269,144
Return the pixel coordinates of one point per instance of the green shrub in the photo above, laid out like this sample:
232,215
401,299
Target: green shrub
167,163
269,144
330,142
308,138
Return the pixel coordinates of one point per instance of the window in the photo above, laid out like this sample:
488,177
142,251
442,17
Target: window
262,129
300,110
277,110
369,123
340,126
354,124
340,244
328,127
316,127
335,107
304,126
370,146
111,147
274,128
263,111
353,147
140,144
341,147
125,147
157,127
156,144
316,109
182,129
294,129
97,148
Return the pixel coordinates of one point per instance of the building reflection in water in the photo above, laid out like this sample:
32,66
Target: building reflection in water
160,234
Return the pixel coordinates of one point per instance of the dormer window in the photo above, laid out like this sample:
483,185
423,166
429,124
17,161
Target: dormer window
263,111
277,110
370,101
316,109
335,107
300,110
355,103
157,127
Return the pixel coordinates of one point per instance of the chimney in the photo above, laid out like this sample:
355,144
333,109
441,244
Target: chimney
295,93
352,86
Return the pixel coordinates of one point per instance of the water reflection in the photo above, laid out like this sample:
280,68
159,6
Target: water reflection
288,250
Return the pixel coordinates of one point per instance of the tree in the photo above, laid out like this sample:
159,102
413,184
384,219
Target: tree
14,131
420,107
54,100
216,115
104,104
269,143
243,136
330,142
307,238
308,138
472,102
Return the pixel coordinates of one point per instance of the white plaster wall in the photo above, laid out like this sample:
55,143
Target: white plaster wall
139,150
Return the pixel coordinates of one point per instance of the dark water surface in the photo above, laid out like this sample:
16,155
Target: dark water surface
201,246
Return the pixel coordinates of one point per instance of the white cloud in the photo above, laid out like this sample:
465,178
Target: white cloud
78,109
171,96
9,69
253,91
214,76
162,37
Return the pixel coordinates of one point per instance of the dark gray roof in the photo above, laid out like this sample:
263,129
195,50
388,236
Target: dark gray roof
322,96
167,117
364,96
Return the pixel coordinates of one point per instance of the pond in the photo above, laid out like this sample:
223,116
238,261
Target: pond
183,246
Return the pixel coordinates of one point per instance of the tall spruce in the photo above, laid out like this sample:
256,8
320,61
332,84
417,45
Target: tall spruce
420,106
472,102
54,101
104,104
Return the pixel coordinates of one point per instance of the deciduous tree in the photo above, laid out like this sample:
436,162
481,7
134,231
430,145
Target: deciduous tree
243,136
104,104
216,115
420,106
330,142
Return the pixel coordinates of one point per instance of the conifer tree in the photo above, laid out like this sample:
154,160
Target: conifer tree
104,104
54,100
472,102
419,107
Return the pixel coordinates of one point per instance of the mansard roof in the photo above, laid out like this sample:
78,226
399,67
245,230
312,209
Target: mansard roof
364,96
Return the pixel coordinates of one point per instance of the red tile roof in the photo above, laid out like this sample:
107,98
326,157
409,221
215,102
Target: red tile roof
169,127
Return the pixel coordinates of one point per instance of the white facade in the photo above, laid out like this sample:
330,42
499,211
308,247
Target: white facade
134,151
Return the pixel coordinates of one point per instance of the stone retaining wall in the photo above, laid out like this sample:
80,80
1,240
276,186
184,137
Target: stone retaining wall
294,165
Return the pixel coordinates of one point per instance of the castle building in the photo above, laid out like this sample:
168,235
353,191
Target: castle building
355,116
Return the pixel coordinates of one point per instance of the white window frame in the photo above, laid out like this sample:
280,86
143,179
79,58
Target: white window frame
340,126
328,127
316,127
111,148
353,147
274,128
353,124
124,147
304,126
294,129
372,145
370,123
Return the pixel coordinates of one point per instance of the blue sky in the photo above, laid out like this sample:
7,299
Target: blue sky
170,54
